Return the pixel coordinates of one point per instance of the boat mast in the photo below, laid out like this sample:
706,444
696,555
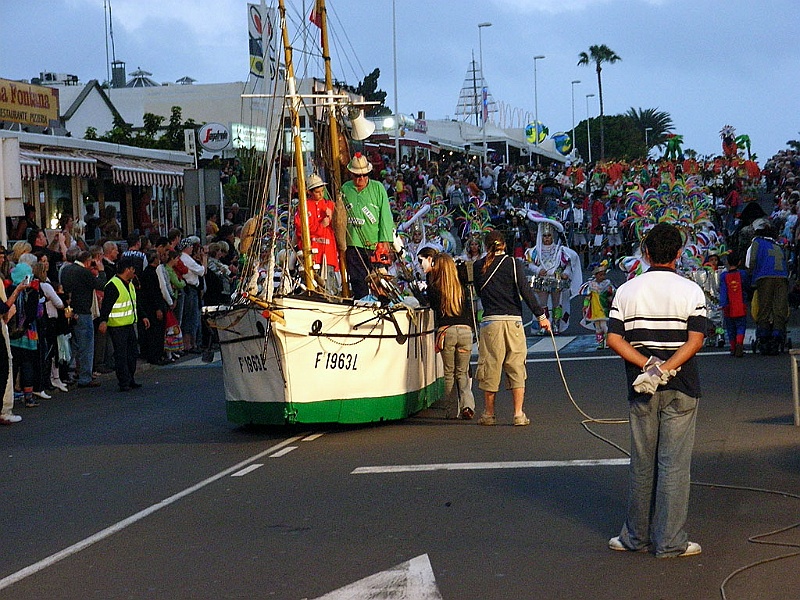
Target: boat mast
294,104
335,175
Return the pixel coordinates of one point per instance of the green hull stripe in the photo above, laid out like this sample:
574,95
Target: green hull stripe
350,411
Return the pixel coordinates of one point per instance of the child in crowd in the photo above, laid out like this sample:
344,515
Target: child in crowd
732,299
597,294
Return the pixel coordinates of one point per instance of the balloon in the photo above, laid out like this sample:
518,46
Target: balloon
563,142
536,129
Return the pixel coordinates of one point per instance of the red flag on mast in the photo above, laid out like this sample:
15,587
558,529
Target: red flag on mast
316,15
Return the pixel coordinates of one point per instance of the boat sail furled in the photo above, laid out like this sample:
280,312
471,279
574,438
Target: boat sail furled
291,351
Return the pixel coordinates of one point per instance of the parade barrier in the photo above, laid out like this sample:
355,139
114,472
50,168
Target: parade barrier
794,356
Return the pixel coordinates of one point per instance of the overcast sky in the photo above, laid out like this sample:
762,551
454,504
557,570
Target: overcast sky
707,63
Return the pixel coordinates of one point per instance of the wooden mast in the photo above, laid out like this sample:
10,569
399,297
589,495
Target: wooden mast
335,176
294,103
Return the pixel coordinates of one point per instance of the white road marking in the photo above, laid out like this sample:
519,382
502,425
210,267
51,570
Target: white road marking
247,470
520,464
119,526
546,344
411,580
283,452
312,437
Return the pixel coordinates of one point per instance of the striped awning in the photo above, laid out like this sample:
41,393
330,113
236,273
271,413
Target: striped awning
62,162
29,167
139,171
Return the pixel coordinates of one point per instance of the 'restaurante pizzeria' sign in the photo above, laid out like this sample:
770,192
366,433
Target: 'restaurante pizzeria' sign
28,104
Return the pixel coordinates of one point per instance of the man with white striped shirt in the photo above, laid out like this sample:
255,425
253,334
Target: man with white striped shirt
657,323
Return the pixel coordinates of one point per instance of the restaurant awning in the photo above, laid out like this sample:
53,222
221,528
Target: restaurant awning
60,162
29,167
137,171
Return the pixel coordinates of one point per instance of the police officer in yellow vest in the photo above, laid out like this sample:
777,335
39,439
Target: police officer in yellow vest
118,316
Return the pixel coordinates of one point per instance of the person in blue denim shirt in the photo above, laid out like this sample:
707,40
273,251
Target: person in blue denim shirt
658,335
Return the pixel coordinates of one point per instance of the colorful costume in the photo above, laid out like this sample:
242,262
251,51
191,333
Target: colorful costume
556,272
597,297
732,284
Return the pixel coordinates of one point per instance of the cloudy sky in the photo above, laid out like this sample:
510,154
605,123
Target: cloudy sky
707,63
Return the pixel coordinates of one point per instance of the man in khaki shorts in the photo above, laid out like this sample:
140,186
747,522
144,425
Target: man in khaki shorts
500,281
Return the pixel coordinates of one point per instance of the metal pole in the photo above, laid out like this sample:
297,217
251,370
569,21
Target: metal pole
396,108
588,129
536,107
483,94
646,145
574,81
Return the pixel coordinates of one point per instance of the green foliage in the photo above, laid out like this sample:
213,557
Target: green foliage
147,136
121,133
659,122
624,141
368,88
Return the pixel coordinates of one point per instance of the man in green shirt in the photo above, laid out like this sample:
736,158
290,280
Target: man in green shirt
370,226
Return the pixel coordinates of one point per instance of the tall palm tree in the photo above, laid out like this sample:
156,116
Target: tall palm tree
599,55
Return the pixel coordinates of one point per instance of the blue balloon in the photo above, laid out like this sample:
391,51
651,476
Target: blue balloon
563,142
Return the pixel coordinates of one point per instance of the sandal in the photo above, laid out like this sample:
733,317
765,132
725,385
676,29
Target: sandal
521,420
467,413
487,420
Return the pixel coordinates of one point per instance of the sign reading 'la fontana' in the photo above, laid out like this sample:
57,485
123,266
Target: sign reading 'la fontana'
28,104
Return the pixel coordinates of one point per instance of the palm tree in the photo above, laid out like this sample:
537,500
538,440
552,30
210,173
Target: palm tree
656,122
599,55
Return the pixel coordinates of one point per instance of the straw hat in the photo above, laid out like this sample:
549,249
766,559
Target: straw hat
314,181
359,164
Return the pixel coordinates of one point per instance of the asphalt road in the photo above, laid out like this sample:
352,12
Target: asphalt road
153,495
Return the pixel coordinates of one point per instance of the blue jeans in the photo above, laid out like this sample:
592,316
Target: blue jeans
662,437
83,331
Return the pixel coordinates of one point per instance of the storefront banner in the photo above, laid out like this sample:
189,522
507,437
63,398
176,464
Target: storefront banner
28,104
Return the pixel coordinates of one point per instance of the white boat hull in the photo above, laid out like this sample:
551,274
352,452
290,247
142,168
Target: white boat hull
322,362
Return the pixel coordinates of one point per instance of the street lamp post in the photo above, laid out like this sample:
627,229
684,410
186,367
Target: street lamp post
536,106
396,109
646,144
574,81
588,131
484,94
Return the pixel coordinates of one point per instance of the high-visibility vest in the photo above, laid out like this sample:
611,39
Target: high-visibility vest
124,309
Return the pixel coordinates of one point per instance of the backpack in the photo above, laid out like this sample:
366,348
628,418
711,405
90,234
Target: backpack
17,325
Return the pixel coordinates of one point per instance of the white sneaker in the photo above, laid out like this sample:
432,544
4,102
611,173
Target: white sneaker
59,385
692,549
616,544
9,419
43,395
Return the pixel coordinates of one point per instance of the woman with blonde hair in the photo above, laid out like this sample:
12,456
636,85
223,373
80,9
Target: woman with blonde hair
17,250
453,330
501,282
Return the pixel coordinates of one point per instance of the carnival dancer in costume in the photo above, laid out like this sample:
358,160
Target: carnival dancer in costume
370,226
769,273
733,300
556,272
574,219
597,294
323,240
612,227
595,209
